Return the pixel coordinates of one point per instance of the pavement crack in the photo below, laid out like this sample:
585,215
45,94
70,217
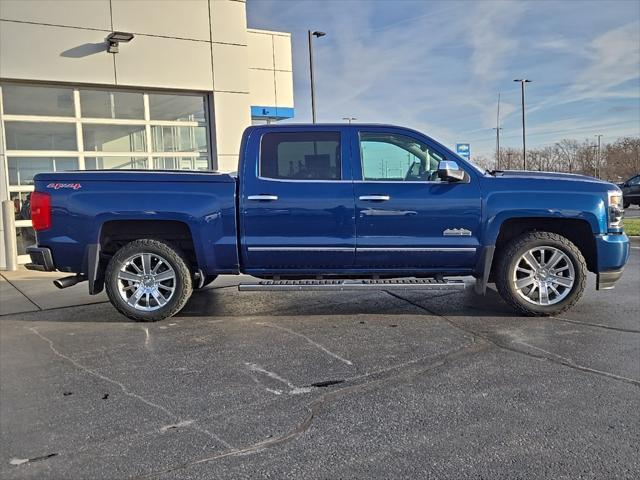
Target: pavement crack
596,325
397,373
126,391
309,340
548,357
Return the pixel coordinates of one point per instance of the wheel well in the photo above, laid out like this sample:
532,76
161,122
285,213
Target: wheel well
577,231
115,234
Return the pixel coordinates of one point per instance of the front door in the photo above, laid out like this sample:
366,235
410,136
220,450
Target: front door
406,218
297,208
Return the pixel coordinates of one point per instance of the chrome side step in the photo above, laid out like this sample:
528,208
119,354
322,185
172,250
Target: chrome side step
343,285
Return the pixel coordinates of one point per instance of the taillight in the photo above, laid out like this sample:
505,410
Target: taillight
41,210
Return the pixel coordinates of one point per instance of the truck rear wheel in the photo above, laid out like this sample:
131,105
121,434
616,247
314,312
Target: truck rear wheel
541,274
148,280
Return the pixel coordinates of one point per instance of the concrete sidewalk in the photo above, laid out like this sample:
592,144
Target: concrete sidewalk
28,291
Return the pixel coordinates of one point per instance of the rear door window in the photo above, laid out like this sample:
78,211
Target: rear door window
301,156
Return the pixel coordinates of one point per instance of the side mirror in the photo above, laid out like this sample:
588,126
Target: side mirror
448,171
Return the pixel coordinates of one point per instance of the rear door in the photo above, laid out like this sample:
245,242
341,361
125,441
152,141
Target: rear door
297,207
406,218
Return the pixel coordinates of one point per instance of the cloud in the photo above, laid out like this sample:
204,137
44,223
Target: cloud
437,66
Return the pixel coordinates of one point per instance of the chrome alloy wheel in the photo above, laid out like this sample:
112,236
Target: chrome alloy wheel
544,275
146,281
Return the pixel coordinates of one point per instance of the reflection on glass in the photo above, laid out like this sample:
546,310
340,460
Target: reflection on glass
101,104
36,100
114,138
115,163
22,169
179,139
40,136
21,205
176,107
181,163
25,237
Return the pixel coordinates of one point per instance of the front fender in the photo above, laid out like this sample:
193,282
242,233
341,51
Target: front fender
502,206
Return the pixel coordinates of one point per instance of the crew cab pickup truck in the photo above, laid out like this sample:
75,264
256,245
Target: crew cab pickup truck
330,207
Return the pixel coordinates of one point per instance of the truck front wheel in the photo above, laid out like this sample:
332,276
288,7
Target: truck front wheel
541,274
148,280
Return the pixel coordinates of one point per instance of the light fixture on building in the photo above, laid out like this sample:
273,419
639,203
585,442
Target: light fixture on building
114,39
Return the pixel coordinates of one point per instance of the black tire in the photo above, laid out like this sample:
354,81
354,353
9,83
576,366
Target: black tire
512,253
182,284
208,279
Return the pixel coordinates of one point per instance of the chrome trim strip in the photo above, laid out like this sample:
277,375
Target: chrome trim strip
262,197
416,249
295,180
379,198
301,249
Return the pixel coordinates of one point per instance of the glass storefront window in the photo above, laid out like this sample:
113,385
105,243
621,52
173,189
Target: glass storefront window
21,205
37,100
43,134
103,104
179,139
103,163
181,163
114,138
40,136
22,169
176,107
25,237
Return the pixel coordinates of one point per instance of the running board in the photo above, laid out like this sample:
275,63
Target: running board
342,285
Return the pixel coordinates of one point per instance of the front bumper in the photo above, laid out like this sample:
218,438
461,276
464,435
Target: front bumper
41,259
613,253
607,280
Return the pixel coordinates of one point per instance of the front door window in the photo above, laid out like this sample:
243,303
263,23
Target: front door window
391,157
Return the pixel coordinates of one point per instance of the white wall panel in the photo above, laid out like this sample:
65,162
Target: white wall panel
230,71
60,54
232,116
165,63
228,163
228,21
282,52
262,87
168,18
86,14
260,50
284,89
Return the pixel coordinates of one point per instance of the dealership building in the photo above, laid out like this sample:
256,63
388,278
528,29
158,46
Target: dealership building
142,84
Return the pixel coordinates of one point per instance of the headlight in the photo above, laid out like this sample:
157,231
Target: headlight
615,209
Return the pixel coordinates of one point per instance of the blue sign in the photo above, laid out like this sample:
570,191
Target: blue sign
464,150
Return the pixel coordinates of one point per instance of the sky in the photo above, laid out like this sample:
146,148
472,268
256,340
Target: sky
437,66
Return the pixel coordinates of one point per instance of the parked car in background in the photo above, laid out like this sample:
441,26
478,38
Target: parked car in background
330,207
631,191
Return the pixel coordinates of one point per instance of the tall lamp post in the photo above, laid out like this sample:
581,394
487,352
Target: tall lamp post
599,158
312,34
524,143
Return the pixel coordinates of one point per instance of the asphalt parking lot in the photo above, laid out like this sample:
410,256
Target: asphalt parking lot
326,386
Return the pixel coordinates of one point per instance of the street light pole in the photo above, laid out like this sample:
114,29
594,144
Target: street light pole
349,119
598,159
312,34
524,144
497,129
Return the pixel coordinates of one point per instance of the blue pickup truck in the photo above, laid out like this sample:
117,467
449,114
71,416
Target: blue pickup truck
330,207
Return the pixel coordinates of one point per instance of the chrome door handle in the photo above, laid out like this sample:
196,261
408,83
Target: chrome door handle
373,198
263,198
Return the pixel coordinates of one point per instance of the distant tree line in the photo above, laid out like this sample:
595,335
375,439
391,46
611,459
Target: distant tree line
617,161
